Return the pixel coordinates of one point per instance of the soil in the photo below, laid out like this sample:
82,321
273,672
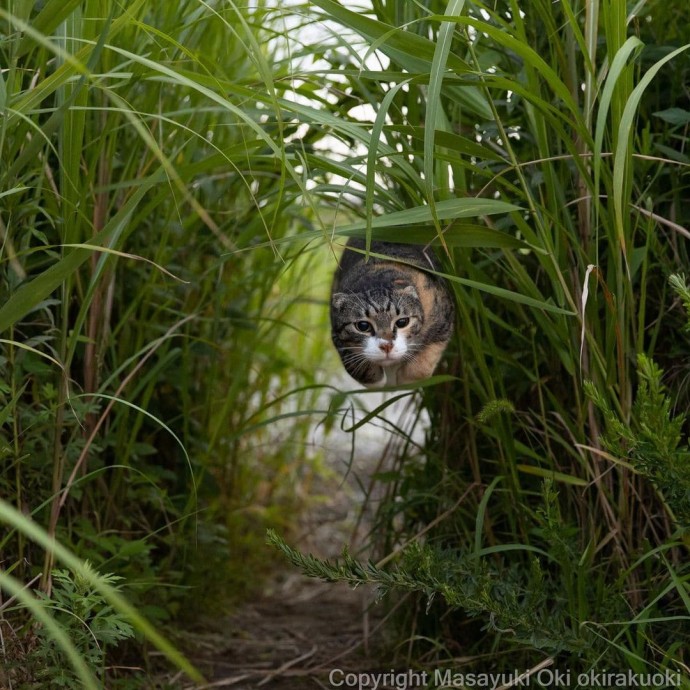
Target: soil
303,630
292,642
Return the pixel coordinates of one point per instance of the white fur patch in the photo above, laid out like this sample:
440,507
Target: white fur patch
374,353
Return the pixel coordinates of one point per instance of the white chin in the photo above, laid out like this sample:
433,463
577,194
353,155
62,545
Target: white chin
391,361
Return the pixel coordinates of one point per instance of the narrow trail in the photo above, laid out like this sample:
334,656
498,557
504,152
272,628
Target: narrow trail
304,634
296,639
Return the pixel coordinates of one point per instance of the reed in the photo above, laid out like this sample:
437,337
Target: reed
175,180
541,454
142,144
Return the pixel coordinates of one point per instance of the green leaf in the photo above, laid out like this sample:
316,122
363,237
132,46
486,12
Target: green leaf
9,408
674,116
32,98
448,209
57,632
621,158
413,226
415,53
435,118
509,295
48,19
32,293
524,51
552,474
481,514
373,154
457,235
17,520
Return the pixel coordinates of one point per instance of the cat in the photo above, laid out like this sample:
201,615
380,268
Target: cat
390,321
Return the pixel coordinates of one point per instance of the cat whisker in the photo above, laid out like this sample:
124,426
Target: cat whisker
359,362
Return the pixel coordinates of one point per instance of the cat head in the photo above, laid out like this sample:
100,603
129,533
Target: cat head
376,328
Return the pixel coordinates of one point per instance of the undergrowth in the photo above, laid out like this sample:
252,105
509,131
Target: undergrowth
545,519
176,180
141,356
89,621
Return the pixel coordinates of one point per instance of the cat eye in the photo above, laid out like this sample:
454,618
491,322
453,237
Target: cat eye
363,326
401,323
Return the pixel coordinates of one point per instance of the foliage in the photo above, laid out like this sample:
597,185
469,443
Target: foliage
506,596
562,111
176,178
91,623
651,441
140,355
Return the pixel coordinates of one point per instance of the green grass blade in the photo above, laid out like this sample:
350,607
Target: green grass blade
372,156
481,514
17,590
449,209
411,51
526,53
552,474
52,14
35,291
434,112
11,516
76,64
622,155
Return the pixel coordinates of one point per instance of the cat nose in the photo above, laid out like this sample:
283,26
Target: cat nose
386,346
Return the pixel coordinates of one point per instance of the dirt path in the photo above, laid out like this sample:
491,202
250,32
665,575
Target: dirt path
303,630
292,640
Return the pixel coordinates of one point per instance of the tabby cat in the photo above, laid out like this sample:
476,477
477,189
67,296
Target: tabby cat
390,321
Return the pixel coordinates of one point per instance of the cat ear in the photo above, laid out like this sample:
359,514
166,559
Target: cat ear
338,299
410,290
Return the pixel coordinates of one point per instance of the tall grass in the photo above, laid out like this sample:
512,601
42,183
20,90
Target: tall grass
170,170
142,145
560,540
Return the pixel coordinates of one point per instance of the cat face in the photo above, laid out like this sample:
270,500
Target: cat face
375,329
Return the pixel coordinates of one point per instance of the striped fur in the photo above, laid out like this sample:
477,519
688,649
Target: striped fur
390,321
